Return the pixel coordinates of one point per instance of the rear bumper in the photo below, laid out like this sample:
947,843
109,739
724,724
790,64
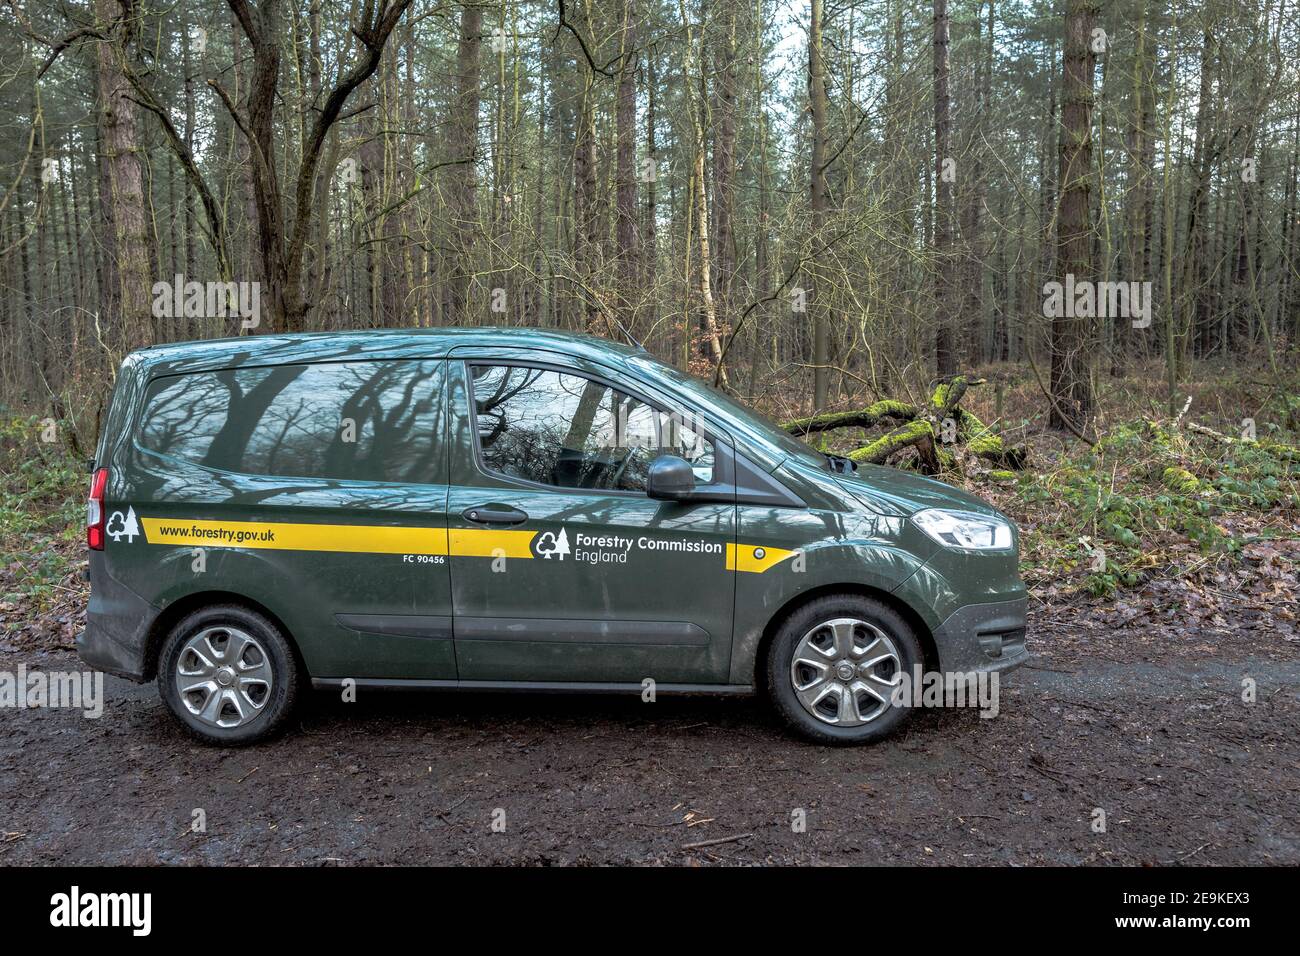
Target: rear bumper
983,638
104,654
118,623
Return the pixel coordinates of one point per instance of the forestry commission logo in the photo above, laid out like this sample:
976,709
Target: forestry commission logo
123,526
552,544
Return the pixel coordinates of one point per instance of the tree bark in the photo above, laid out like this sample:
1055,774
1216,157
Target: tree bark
125,300
1137,246
973,244
586,248
650,242
944,351
724,158
626,251
1197,321
819,296
1071,379
464,179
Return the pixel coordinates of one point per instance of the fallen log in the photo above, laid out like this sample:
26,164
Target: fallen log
930,429
1285,452
858,418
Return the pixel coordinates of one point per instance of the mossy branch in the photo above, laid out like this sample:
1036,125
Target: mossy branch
919,434
918,428
981,442
948,394
858,418
1276,449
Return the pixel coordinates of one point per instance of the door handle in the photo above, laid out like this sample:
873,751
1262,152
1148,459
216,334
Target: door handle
494,514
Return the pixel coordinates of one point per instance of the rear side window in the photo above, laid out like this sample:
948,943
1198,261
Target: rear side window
362,421
557,428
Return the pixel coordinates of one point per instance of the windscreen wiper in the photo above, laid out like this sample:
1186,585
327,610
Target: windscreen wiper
839,464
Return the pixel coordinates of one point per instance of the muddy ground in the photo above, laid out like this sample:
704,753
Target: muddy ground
1140,715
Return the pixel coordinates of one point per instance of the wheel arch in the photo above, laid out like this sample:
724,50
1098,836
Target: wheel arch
174,612
905,610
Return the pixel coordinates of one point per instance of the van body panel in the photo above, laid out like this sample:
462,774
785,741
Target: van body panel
189,518
664,615
829,549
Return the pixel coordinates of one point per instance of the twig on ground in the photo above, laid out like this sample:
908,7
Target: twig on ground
719,840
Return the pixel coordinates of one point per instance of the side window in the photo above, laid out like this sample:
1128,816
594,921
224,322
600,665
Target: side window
365,421
557,428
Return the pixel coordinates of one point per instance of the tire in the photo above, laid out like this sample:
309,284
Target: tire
877,633
242,668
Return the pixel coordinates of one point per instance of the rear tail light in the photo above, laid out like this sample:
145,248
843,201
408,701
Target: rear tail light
95,513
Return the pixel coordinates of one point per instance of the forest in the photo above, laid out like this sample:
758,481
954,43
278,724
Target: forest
1049,248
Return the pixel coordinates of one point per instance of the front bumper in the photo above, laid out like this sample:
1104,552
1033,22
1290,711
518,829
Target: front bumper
983,638
118,624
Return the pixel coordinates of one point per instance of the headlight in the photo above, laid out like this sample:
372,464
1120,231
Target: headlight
964,529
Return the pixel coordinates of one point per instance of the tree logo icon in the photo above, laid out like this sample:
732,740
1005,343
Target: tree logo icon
551,544
119,525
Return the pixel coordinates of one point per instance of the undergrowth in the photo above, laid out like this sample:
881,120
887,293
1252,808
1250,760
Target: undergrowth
1150,498
42,513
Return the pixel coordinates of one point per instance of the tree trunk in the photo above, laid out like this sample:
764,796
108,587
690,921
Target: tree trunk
586,248
190,217
1137,245
944,352
464,145
625,219
698,209
973,245
820,295
1071,383
1195,283
650,244
724,158
125,301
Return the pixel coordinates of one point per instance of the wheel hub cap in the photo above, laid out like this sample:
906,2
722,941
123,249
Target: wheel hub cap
844,671
223,676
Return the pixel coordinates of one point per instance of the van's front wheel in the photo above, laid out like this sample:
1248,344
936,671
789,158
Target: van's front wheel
228,675
834,665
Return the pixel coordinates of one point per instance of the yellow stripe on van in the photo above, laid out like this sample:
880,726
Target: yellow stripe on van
491,543
386,539
358,538
754,558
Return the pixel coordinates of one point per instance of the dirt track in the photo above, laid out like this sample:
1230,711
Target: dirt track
1146,723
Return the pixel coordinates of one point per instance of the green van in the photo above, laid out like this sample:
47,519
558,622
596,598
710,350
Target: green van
513,509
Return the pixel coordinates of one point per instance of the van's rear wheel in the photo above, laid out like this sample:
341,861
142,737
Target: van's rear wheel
834,665
228,675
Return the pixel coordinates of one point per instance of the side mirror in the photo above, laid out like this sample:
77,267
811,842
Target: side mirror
670,479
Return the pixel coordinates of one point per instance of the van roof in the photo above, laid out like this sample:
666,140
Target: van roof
367,344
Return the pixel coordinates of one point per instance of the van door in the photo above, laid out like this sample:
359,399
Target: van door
563,569
317,490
